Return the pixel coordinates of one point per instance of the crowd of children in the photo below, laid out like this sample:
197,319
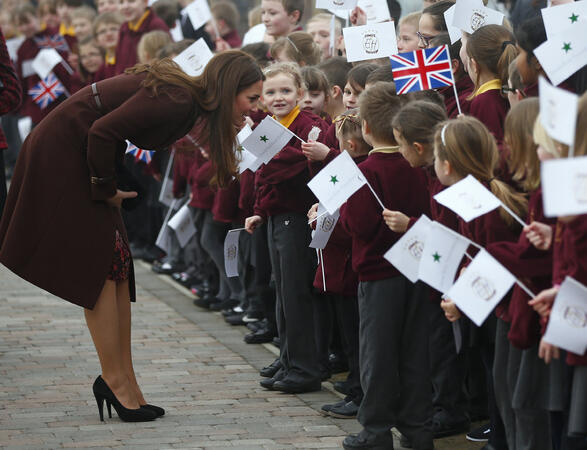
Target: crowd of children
350,310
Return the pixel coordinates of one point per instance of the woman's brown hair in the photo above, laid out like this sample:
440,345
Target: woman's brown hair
493,47
417,120
470,149
523,161
214,92
299,46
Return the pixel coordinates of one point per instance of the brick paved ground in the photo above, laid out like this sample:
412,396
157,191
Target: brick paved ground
188,361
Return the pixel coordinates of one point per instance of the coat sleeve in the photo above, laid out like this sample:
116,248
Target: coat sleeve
10,88
142,118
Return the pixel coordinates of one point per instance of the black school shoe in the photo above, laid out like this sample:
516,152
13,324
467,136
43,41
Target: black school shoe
294,387
480,434
347,411
444,424
325,410
271,369
368,441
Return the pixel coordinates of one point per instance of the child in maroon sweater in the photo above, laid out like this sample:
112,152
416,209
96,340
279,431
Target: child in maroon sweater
140,19
393,335
283,199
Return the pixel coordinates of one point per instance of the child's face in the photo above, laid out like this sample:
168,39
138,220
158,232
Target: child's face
407,150
313,101
108,6
463,51
281,95
442,170
82,27
426,29
407,39
132,10
350,97
107,35
275,18
64,13
246,101
320,31
29,27
90,58
528,74
50,19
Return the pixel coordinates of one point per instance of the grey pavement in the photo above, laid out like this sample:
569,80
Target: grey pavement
187,360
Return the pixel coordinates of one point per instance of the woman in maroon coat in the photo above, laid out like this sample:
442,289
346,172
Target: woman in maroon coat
62,228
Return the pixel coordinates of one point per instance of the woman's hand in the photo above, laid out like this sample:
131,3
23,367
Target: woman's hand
539,234
547,351
313,212
396,221
358,17
451,312
251,223
315,151
542,303
116,199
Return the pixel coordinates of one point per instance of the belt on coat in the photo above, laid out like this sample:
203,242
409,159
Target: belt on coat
96,95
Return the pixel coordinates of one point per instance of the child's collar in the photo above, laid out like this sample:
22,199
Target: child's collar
389,149
488,86
135,26
288,120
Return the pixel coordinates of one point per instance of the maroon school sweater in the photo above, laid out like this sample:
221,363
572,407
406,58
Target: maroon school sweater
200,177
282,183
534,268
400,188
29,79
182,165
225,207
464,88
491,108
246,201
105,71
128,40
338,262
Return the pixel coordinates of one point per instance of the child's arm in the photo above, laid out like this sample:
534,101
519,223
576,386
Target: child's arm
539,234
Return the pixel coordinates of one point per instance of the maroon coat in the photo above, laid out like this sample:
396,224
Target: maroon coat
534,268
282,183
246,201
200,178
128,40
491,108
464,89
57,232
29,79
11,93
400,188
225,207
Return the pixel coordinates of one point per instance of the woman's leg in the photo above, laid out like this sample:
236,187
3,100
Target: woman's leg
124,318
104,325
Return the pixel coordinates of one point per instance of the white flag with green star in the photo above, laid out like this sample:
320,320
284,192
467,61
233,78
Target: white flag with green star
441,257
563,54
558,111
481,287
267,139
336,182
558,18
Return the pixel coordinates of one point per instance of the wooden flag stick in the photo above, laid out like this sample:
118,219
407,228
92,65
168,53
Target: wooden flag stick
376,196
237,229
514,215
454,83
321,256
317,217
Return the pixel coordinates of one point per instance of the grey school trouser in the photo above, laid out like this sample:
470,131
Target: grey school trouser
393,357
294,266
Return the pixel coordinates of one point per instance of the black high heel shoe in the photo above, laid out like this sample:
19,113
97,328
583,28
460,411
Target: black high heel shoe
103,392
156,409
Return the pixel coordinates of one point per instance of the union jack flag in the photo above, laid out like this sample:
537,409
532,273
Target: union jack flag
47,91
139,154
55,41
420,70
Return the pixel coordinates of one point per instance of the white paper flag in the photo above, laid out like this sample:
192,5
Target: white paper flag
165,237
376,10
481,287
166,193
563,54
324,227
567,325
332,35
558,18
441,257
468,198
13,45
336,4
231,252
406,253
193,59
45,60
25,125
267,139
370,41
469,16
558,111
176,33
454,33
246,160
336,182
199,13
183,225
564,186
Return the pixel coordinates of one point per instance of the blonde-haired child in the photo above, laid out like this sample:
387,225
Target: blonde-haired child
82,19
282,199
298,47
150,44
319,28
407,35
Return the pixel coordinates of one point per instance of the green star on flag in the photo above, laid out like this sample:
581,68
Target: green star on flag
333,180
567,47
573,18
264,138
436,257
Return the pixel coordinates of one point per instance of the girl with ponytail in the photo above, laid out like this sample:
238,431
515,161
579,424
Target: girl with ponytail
490,50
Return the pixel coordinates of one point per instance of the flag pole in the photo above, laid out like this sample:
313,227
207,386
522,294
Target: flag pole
525,288
454,83
376,196
317,217
321,257
237,229
514,215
